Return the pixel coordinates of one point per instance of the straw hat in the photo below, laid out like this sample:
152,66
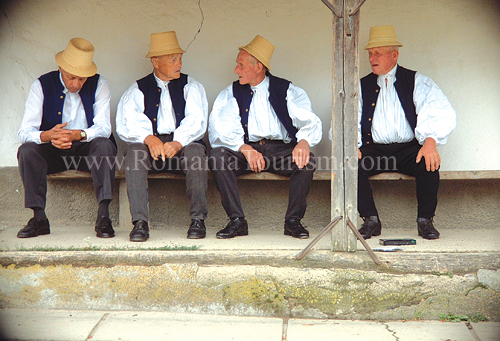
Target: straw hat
261,49
164,43
382,36
77,58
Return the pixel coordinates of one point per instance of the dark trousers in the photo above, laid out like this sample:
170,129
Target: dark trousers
226,165
397,157
189,161
36,161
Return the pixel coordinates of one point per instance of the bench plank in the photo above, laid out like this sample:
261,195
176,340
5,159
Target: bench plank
318,175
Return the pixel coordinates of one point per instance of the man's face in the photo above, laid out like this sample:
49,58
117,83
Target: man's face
168,67
71,82
382,59
247,71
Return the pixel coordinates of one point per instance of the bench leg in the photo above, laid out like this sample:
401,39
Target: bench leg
124,208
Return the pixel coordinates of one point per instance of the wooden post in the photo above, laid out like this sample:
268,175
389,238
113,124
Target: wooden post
345,121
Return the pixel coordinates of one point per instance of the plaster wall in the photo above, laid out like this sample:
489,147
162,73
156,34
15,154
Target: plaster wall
455,42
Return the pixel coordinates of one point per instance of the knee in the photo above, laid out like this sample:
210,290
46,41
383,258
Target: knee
135,153
26,150
311,166
216,158
194,149
102,146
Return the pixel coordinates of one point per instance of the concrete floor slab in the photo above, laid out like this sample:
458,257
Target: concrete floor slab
24,324
147,326
79,236
487,331
431,331
300,330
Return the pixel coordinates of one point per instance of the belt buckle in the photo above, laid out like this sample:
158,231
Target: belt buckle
262,142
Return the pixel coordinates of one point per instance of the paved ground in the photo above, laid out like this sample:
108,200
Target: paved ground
70,236
18,324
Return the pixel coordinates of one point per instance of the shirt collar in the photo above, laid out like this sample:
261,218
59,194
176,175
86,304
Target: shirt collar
264,85
391,74
161,84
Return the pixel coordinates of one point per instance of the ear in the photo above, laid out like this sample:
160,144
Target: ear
154,61
395,55
261,68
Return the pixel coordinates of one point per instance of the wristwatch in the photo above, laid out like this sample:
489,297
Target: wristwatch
83,135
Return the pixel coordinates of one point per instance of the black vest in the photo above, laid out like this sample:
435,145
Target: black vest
277,97
405,84
152,94
53,99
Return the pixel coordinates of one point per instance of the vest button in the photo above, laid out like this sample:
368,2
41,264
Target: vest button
376,90
246,110
62,96
154,119
368,142
159,90
369,119
246,125
157,105
156,134
373,104
59,113
369,134
251,93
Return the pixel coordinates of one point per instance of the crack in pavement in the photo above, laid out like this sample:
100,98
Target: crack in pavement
391,331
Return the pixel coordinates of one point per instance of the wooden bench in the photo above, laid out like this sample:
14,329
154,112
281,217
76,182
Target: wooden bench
318,175
124,208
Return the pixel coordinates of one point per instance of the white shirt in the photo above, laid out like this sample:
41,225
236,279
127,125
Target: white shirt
225,128
132,124
435,116
73,113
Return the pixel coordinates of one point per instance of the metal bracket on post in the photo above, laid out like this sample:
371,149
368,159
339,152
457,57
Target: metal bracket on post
318,237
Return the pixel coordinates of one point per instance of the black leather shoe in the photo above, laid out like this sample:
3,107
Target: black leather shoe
104,229
371,227
140,233
294,228
35,227
235,227
426,229
197,229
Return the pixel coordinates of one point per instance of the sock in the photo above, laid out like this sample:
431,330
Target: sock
103,210
39,213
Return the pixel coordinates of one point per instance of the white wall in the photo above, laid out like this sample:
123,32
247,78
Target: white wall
455,42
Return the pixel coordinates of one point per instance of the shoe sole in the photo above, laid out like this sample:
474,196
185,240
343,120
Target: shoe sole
288,233
428,238
105,235
195,237
235,235
142,239
39,233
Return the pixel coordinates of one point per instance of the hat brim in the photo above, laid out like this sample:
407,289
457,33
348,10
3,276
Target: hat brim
164,52
382,43
80,72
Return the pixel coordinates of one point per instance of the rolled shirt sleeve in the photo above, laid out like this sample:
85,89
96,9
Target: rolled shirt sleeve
303,118
436,117
224,128
132,125
102,123
194,124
